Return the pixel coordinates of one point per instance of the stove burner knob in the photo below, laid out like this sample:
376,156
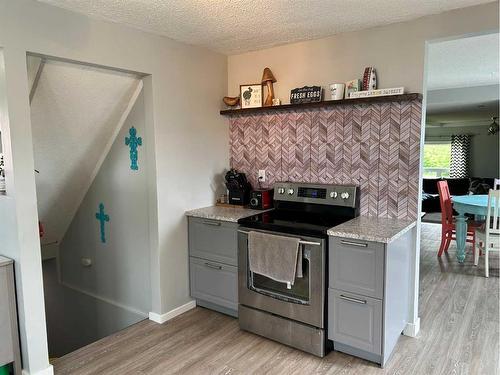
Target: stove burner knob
290,191
333,194
344,195
281,190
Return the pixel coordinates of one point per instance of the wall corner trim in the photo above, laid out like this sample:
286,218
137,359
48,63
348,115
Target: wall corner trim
47,371
162,318
412,329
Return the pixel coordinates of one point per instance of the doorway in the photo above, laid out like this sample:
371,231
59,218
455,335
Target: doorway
91,170
461,144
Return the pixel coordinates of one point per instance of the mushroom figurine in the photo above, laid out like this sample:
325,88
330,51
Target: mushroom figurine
268,79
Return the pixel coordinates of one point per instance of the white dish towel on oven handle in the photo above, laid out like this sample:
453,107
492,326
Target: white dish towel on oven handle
274,256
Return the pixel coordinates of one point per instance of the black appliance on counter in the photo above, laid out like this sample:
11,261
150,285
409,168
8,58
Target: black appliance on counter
239,188
294,315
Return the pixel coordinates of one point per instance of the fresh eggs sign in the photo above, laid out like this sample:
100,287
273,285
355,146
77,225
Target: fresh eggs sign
306,94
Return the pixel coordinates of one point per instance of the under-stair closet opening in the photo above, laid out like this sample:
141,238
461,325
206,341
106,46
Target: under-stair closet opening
89,128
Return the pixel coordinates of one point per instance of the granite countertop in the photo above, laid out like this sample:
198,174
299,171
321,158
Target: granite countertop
232,214
375,229
5,261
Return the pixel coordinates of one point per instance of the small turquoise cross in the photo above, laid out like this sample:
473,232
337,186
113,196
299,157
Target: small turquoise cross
102,217
133,141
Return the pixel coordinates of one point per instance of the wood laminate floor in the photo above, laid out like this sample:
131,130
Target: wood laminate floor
459,311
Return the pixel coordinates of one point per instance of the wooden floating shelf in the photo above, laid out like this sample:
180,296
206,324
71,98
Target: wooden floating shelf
325,103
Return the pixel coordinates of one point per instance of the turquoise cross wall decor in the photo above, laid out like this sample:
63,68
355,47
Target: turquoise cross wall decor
133,141
102,217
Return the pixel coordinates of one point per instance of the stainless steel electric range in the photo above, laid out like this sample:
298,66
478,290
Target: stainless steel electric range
294,316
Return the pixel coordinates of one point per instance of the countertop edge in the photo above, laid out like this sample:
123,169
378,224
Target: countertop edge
239,213
213,217
4,261
374,237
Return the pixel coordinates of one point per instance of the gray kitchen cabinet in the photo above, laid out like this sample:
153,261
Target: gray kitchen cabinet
357,266
368,297
213,282
357,321
213,240
213,258
9,339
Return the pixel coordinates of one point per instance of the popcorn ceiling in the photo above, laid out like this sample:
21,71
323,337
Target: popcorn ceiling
236,26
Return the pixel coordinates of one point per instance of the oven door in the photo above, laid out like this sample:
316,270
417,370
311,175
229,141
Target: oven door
304,301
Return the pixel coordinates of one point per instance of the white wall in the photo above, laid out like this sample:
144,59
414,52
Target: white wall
74,113
396,51
120,266
189,137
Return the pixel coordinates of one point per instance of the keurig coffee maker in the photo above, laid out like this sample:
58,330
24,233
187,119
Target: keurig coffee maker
238,186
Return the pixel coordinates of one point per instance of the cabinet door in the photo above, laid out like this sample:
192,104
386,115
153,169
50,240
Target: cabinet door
213,240
6,310
214,282
355,320
357,266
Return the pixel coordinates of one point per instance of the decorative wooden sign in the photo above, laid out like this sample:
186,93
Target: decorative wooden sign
379,92
306,94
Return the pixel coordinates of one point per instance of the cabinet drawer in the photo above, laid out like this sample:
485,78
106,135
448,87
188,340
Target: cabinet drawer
357,266
214,282
355,321
213,240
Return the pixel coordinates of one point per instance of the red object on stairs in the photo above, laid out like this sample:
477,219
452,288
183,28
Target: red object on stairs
40,229
448,228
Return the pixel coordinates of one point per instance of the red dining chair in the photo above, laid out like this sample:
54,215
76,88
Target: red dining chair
448,227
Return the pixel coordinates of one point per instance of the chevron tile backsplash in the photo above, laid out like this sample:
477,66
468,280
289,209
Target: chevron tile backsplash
375,146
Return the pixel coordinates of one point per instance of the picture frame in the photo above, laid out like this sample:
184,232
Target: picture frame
251,95
352,86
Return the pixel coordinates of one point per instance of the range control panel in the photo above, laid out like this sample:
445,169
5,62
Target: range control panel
335,195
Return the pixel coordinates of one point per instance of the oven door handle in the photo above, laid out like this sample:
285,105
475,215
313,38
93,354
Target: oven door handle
300,242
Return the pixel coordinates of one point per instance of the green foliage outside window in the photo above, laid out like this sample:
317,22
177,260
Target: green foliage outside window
437,159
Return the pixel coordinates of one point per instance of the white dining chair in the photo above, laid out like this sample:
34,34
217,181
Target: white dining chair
488,237
496,184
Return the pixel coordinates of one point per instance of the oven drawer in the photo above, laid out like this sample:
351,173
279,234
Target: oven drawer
214,282
213,240
357,266
356,321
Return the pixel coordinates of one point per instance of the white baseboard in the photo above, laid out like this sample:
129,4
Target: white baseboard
162,318
106,300
48,371
412,329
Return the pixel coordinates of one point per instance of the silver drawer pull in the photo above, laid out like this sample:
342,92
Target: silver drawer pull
358,244
355,300
214,266
212,223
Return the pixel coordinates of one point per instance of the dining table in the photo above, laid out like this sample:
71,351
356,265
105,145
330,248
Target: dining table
467,204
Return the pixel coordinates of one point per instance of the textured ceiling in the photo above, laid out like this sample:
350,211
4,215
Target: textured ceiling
234,26
464,62
74,112
463,79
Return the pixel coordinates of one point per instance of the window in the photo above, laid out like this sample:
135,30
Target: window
437,156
